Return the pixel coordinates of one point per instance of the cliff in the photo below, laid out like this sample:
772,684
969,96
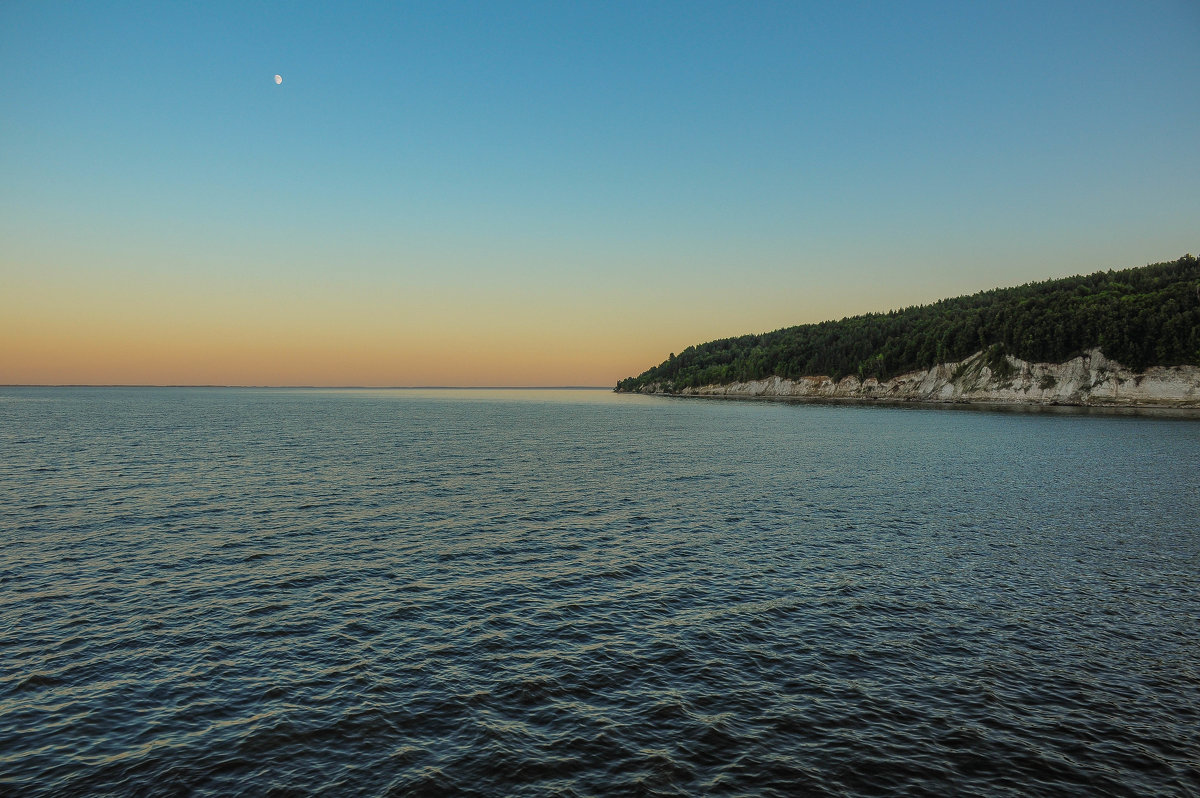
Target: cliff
1091,379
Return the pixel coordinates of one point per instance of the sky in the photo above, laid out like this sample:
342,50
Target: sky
528,194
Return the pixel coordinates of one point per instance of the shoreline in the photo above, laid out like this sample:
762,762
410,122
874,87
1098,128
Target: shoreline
1090,381
1184,411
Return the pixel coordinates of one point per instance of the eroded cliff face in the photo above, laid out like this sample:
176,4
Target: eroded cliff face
1091,379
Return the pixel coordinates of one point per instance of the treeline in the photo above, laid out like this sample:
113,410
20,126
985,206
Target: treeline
1140,317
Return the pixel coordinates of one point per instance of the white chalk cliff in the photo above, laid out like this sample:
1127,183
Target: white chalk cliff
1090,379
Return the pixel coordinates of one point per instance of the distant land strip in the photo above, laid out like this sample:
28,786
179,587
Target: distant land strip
1114,338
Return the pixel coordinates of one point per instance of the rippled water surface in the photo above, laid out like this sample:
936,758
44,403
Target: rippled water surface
255,592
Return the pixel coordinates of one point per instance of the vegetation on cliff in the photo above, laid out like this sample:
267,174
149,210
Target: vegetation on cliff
1139,317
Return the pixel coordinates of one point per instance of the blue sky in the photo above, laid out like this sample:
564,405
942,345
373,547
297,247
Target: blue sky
625,178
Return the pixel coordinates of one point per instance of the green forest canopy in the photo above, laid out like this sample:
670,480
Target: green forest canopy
1139,317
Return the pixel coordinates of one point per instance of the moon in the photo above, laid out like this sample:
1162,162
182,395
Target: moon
278,80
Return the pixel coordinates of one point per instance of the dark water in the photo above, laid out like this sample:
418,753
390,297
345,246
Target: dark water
240,592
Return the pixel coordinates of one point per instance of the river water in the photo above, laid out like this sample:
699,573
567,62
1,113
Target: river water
424,592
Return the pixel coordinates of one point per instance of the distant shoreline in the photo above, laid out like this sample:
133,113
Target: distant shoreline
1089,381
1189,412
332,387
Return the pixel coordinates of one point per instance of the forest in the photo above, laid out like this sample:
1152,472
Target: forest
1140,317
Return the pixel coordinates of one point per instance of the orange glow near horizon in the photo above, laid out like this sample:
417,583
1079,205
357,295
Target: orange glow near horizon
498,323
105,338
127,355
143,327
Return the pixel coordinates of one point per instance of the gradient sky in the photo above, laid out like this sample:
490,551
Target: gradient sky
503,193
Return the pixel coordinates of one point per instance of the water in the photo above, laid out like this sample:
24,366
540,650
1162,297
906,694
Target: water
277,592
